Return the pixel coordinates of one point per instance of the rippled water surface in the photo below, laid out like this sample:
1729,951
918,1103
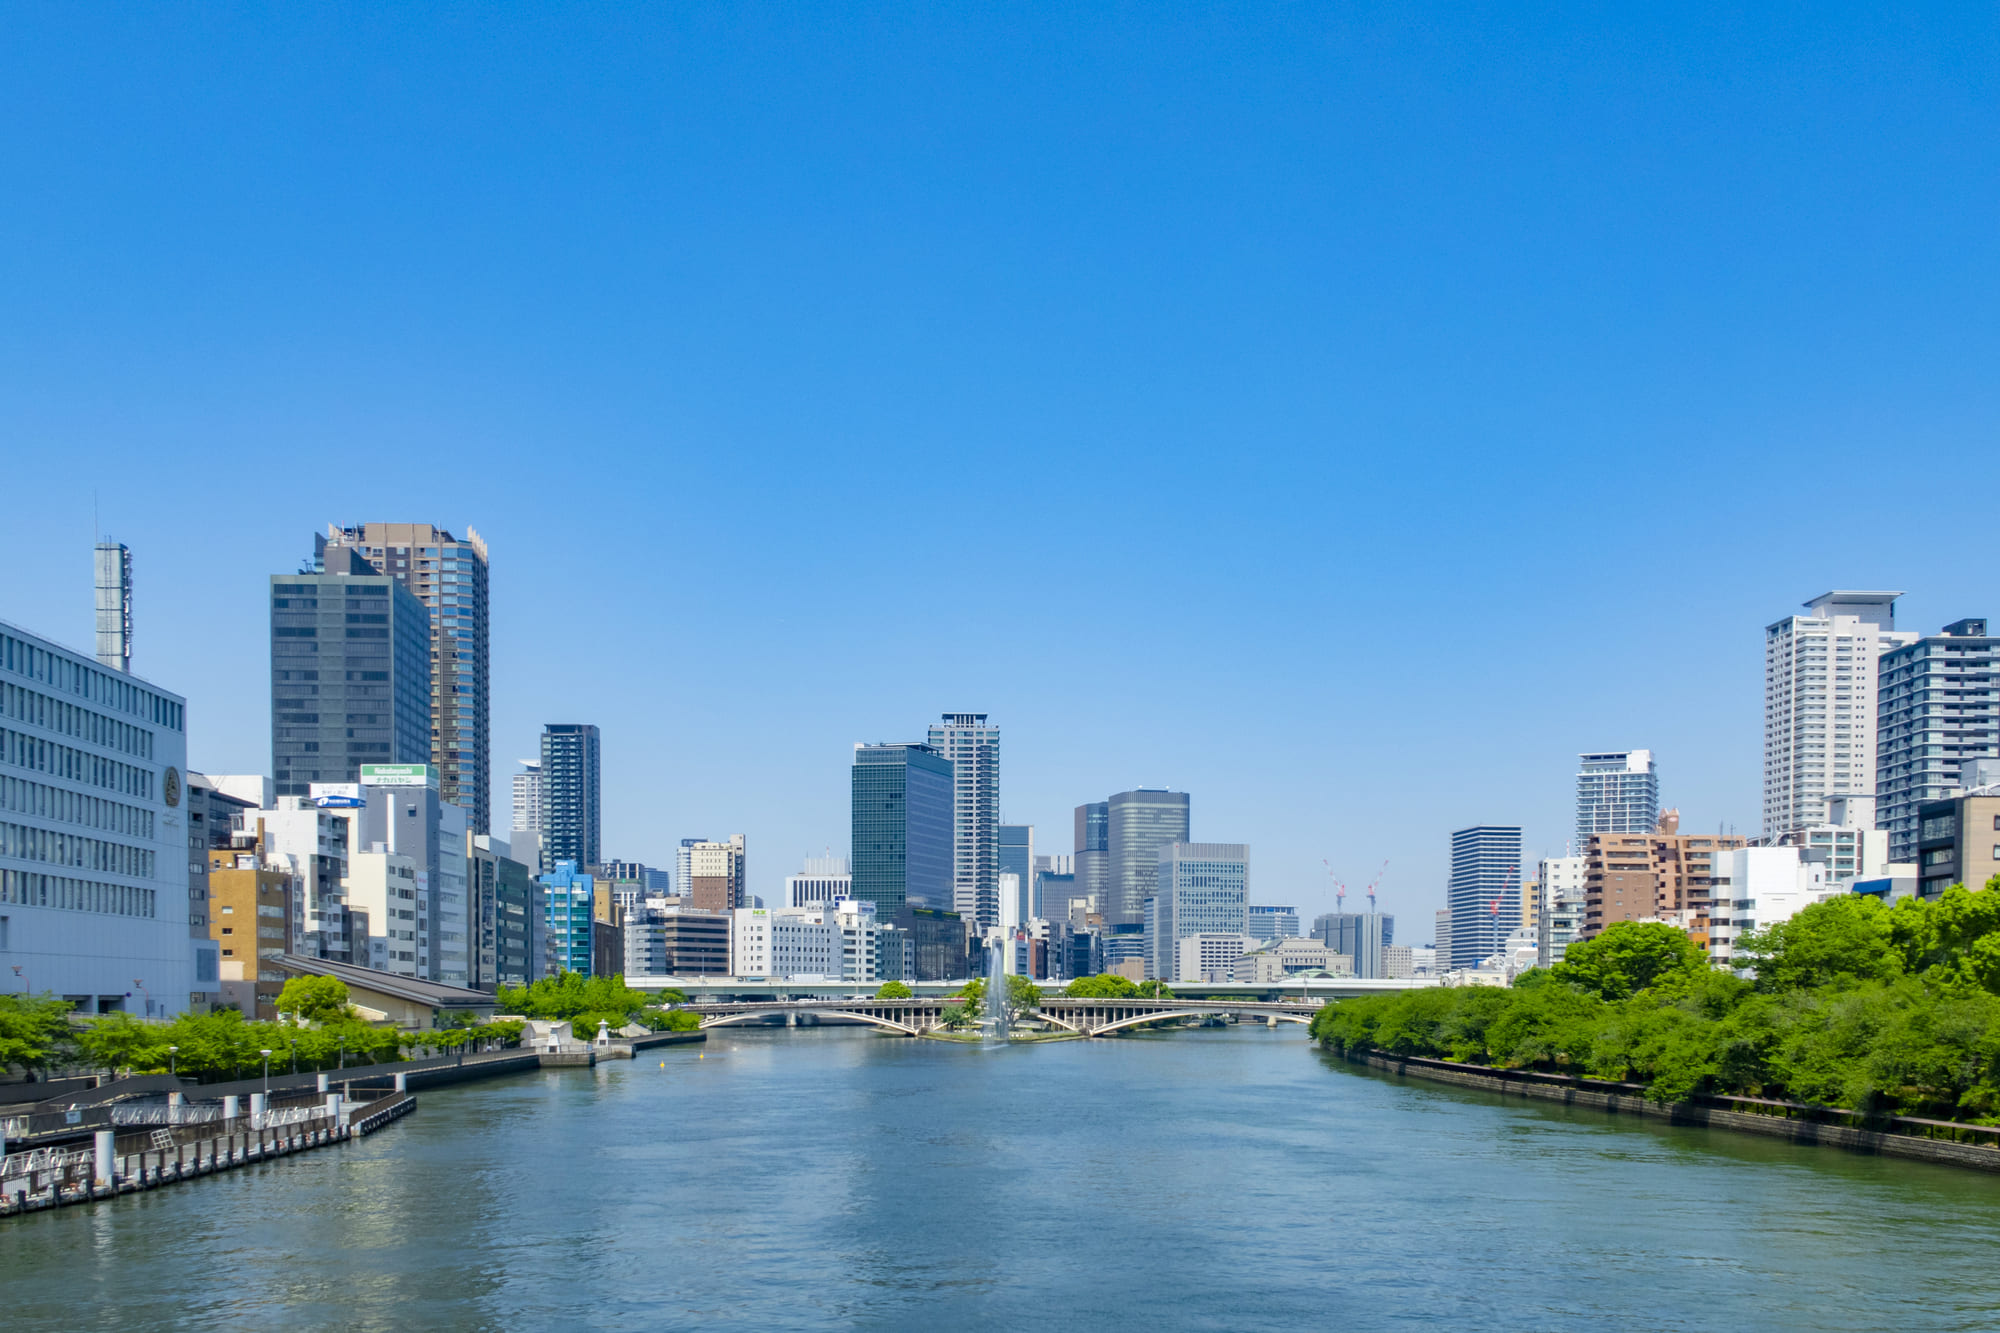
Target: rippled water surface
1220,1179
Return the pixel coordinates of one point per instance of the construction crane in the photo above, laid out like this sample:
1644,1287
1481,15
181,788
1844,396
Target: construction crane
1372,883
1339,889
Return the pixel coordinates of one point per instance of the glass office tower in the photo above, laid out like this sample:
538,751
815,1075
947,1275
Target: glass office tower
902,828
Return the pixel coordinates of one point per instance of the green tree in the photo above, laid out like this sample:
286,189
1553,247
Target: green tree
117,1041
1628,957
1842,942
1153,990
957,1016
33,1029
1022,995
669,1020
894,990
1953,938
314,999
1103,986
572,994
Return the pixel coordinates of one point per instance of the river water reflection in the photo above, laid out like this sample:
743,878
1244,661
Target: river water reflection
1220,1179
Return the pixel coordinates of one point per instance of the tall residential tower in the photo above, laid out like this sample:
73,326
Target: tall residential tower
572,795
1485,892
1937,709
1616,792
973,748
1819,704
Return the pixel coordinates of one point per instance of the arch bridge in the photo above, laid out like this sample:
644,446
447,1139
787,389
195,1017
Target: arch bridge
1085,1017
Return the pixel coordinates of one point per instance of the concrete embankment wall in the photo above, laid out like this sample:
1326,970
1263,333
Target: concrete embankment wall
1688,1113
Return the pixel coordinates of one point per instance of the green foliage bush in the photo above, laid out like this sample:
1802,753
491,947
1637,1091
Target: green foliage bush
894,990
1852,1004
573,995
1103,986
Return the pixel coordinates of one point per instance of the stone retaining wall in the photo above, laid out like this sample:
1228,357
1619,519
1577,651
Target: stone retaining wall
1689,1113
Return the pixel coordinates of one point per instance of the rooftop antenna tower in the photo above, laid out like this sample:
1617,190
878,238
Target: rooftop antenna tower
114,604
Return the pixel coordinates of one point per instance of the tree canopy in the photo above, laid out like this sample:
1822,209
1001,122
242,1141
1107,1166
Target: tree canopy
315,999
1852,1004
34,1029
574,996
1103,986
894,990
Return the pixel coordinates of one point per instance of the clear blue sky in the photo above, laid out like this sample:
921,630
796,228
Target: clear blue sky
1344,414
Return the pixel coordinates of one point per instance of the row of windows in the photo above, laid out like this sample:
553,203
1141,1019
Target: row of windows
73,807
32,889
70,720
109,688
74,849
40,756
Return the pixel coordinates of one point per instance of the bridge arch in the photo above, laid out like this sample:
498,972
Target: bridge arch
775,1011
1154,1016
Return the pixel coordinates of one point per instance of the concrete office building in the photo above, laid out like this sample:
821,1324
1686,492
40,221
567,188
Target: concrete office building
1485,891
1441,943
1958,839
1210,955
519,911
692,943
572,794
1138,826
382,891
1757,887
1017,858
1665,874
1091,860
1201,888
1820,677
350,675
94,837
449,577
1848,845
1271,923
1358,936
213,817
972,747
1274,960
764,943
405,815
717,874
1937,709
824,879
1562,882
252,910
1616,792
312,842
525,839
903,843
1056,896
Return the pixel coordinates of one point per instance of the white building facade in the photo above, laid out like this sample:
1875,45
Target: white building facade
93,835
1764,885
767,943
1560,914
1820,724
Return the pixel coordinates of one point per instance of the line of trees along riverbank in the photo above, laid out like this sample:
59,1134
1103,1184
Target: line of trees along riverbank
1886,1010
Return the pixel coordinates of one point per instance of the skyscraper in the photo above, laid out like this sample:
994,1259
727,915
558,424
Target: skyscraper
525,841
1017,857
1820,705
1362,936
1139,825
1616,792
1201,888
449,577
350,676
114,604
902,850
717,874
1091,863
1937,710
572,799
973,748
1485,891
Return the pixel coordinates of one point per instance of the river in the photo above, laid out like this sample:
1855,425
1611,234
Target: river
1216,1179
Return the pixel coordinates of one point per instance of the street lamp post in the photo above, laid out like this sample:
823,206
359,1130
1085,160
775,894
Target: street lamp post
148,994
267,1077
173,1070
24,980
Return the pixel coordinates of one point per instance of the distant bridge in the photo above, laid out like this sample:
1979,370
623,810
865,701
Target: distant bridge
1085,1017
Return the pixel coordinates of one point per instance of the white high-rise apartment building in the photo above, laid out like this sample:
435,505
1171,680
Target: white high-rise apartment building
1560,915
1819,704
973,747
1616,792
